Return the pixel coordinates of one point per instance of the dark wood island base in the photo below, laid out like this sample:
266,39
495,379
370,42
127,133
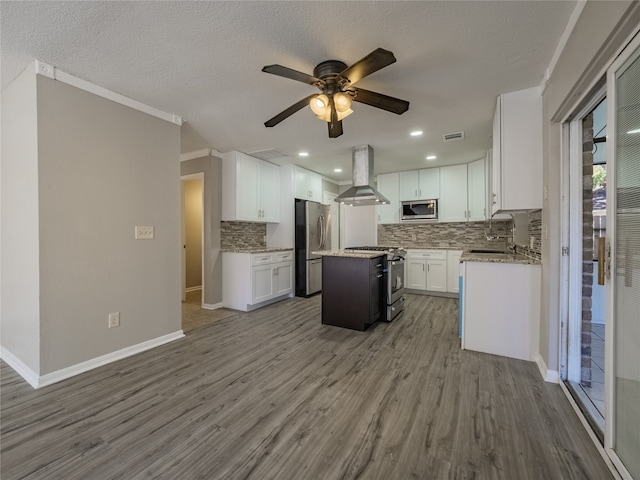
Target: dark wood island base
351,291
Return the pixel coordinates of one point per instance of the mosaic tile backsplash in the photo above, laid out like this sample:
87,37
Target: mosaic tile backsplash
237,235
534,249
455,236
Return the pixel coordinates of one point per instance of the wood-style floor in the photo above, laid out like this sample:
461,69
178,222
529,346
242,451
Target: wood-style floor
273,394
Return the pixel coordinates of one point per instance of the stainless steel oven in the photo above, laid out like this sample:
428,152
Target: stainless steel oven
394,283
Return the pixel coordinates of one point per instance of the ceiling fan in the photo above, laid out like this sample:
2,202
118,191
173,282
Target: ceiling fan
335,80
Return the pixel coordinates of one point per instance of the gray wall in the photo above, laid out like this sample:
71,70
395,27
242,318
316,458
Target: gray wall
19,240
212,193
102,168
192,198
599,32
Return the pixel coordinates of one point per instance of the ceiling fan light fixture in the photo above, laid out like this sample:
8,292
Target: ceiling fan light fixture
320,105
342,101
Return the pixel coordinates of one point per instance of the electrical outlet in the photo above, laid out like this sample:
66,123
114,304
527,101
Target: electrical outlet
114,319
144,232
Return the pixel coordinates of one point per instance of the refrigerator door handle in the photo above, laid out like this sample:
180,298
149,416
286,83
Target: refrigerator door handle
322,233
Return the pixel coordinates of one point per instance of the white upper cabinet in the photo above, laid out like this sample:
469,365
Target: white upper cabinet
477,190
452,206
269,192
419,184
388,186
517,152
250,189
308,185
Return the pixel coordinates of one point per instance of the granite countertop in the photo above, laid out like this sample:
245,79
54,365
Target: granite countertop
349,254
467,256
256,250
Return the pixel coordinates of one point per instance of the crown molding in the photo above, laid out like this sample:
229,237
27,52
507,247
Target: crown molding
54,73
205,152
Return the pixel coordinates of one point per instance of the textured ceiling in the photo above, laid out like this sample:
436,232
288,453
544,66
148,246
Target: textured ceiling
202,60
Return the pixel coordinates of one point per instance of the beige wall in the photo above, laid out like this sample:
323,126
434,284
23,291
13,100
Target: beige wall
212,193
598,34
102,169
19,241
192,191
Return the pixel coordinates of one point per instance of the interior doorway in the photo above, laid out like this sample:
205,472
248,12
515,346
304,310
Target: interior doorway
192,238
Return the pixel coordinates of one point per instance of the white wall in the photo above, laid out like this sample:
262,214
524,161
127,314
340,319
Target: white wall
360,227
19,244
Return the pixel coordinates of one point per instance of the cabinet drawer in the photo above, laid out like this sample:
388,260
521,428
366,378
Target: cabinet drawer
283,256
375,265
261,258
428,254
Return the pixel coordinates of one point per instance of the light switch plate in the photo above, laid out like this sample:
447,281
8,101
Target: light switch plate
144,232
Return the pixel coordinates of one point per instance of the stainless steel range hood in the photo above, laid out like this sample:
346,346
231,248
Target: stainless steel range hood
362,193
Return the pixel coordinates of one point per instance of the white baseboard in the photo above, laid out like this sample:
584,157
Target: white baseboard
37,381
551,376
193,289
212,306
20,367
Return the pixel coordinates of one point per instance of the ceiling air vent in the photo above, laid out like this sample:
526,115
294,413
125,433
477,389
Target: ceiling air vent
267,154
452,137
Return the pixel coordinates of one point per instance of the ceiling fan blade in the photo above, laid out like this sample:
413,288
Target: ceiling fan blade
373,62
290,73
378,100
288,112
335,125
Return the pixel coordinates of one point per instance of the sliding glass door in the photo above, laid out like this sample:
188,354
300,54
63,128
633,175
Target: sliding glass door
622,439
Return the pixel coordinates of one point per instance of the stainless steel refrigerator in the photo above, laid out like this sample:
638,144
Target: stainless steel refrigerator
313,233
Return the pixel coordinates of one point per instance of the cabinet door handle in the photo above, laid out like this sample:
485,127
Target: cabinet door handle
423,267
416,194
378,276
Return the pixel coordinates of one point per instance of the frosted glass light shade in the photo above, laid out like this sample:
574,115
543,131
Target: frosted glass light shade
320,104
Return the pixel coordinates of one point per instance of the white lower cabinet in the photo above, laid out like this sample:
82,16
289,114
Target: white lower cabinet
453,270
426,270
501,309
269,275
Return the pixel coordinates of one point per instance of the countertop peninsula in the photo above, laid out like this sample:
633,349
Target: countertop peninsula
349,254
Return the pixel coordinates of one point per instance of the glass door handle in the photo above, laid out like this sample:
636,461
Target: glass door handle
602,249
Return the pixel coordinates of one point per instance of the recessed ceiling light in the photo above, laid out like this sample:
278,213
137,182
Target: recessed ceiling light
337,170
303,154
416,133
431,157
637,130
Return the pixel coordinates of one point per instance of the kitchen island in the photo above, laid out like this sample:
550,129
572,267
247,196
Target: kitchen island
351,288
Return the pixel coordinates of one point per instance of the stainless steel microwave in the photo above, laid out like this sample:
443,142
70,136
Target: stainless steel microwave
420,210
